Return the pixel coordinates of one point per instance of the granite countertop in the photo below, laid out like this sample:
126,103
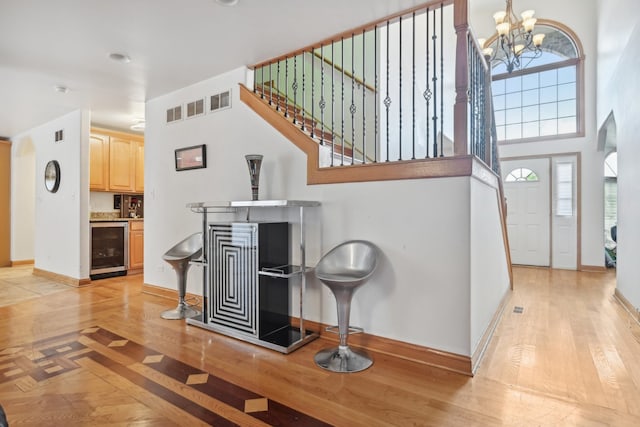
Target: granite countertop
115,219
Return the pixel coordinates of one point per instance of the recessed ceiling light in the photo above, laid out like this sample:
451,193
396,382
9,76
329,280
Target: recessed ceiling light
120,57
61,89
227,2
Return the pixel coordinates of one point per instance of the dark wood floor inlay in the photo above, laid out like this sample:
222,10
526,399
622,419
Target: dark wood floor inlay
54,356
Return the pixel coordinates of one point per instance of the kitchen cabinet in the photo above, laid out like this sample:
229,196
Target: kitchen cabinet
116,161
136,247
98,162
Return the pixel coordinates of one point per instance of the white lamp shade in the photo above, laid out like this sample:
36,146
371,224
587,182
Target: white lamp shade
527,14
499,16
537,39
503,29
529,24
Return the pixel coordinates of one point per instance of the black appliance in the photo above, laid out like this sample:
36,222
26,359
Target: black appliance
109,249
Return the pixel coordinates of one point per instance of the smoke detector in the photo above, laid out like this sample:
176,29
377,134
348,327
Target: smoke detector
227,2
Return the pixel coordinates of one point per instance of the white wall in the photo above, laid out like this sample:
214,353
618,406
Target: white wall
489,274
420,294
620,89
61,220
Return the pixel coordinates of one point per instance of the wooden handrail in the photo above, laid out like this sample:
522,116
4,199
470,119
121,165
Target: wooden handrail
365,27
346,73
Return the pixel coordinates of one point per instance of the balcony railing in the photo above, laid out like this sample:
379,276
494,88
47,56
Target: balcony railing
400,89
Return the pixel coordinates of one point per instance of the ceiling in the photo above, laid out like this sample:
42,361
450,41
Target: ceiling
171,43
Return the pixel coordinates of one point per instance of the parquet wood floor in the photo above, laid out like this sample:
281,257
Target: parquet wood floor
101,355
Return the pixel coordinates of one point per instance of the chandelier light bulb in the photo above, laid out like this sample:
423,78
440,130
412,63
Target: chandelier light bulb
527,14
537,39
517,49
499,17
487,51
503,29
481,42
528,24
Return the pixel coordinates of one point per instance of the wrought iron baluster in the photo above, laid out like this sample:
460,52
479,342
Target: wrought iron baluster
413,87
375,94
387,100
303,112
427,92
333,100
441,79
313,86
262,83
364,108
277,86
286,87
400,85
352,107
294,86
322,101
270,84
342,108
434,80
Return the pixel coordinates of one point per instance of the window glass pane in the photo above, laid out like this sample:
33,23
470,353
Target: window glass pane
548,78
514,84
548,127
514,115
548,111
548,94
530,114
567,108
500,133
499,117
499,102
530,97
514,100
564,189
514,131
530,130
530,81
497,87
567,74
567,125
567,91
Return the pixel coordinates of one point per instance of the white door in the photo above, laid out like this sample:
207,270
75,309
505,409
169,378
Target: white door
526,187
564,221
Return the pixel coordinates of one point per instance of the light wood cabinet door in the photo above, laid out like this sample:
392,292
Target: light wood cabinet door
139,178
136,246
5,200
122,164
98,162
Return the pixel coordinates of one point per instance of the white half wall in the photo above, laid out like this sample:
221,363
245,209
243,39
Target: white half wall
420,294
61,219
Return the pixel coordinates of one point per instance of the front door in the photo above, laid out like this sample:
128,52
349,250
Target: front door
526,187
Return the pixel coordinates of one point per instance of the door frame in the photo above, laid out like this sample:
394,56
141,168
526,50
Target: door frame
550,156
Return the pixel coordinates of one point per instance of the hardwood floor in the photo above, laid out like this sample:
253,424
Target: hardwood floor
101,355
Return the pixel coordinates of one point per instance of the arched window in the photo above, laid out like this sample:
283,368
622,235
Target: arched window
521,175
543,99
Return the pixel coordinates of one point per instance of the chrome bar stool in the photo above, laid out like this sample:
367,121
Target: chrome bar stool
343,270
179,257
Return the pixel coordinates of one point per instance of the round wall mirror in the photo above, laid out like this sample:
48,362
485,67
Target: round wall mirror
52,176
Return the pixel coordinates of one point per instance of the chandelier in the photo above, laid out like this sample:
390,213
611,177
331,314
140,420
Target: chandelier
516,45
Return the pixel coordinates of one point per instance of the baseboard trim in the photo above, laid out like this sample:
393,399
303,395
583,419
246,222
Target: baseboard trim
478,354
633,312
400,349
171,294
22,262
61,278
592,268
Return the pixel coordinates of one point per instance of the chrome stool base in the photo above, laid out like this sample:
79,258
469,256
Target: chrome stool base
343,359
182,311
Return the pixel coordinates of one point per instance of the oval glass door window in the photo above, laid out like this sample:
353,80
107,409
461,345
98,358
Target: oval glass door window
52,176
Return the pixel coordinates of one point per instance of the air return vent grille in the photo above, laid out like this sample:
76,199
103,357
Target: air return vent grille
195,108
220,101
58,136
174,114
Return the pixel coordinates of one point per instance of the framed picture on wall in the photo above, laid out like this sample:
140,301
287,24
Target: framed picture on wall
194,157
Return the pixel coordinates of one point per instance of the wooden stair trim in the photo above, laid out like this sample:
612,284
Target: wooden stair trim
386,171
